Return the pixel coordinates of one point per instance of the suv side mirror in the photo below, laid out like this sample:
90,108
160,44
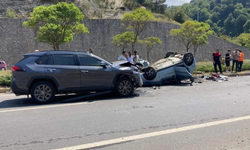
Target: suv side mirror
103,64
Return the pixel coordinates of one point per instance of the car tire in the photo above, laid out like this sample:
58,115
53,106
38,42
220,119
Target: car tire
169,54
3,68
149,73
139,64
188,59
124,87
42,92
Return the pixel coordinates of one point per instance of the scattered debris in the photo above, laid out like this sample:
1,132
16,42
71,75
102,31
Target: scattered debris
213,77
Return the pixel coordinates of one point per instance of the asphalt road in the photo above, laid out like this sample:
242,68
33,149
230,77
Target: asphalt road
206,116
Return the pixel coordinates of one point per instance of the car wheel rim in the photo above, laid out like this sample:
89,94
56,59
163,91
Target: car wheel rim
125,87
2,68
150,72
189,58
43,92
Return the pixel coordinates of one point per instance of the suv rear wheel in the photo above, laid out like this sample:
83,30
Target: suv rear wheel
43,92
124,87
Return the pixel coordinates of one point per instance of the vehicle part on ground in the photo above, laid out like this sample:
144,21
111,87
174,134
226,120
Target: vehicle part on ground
150,73
188,59
42,92
124,87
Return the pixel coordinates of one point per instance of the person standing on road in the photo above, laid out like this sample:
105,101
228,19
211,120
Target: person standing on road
124,56
217,59
241,59
130,58
227,60
235,56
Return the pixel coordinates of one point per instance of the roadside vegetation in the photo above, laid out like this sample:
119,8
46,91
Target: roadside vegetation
5,78
207,66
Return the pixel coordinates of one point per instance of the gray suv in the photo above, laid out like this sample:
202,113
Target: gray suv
45,74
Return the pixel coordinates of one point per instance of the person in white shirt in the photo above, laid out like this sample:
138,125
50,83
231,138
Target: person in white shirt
124,56
130,58
136,57
90,51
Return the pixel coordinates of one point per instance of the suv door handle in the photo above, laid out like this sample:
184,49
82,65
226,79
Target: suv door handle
51,70
84,71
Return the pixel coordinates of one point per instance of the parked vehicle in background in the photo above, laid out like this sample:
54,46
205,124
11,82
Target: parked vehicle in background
3,65
45,74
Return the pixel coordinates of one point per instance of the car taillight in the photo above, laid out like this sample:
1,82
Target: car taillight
15,68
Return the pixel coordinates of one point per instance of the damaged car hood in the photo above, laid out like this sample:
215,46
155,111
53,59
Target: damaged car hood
122,65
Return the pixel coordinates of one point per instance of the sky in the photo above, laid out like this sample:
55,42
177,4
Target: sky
176,2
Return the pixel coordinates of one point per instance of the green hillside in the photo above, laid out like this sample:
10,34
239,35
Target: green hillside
226,17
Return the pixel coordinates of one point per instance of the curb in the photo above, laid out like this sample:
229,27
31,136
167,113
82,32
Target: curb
4,90
240,74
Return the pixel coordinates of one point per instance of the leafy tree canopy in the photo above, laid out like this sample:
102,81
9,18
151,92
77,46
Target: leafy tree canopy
137,22
150,43
192,33
124,40
56,24
228,16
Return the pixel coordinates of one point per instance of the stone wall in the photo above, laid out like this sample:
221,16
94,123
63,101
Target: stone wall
16,40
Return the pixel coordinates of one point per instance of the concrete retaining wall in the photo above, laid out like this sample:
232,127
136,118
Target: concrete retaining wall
16,40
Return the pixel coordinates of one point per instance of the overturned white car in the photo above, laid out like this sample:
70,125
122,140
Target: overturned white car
173,68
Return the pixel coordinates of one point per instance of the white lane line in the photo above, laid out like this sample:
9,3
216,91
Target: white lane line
44,107
152,134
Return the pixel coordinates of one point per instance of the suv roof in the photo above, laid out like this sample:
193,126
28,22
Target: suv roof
40,53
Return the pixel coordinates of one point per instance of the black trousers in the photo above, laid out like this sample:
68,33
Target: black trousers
236,65
215,67
240,63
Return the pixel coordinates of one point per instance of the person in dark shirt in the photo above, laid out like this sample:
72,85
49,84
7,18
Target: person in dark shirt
228,59
217,60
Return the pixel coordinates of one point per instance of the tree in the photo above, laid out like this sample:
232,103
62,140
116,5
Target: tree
198,41
192,33
244,40
150,43
240,21
247,26
56,24
124,40
137,22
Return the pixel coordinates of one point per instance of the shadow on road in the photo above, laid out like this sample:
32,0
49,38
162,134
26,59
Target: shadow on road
60,99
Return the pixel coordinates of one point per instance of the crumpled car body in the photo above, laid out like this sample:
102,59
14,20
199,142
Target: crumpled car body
175,68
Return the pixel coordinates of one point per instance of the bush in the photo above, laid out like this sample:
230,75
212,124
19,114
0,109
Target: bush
5,78
5,81
11,14
207,66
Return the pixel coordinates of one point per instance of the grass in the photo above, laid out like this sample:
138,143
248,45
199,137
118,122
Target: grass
207,66
5,73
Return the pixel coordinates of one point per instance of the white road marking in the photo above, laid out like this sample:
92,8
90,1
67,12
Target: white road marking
44,107
152,134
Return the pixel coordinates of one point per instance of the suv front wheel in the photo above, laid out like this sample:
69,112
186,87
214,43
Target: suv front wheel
43,92
124,87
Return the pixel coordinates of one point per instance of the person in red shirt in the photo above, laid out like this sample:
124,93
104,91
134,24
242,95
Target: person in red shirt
217,59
